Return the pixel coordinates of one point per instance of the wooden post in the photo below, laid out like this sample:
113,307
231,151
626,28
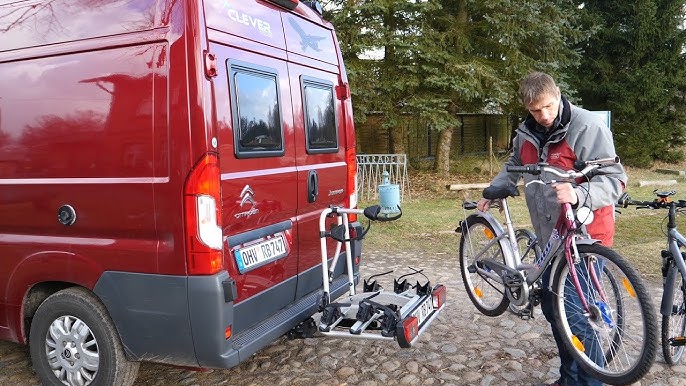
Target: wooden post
490,156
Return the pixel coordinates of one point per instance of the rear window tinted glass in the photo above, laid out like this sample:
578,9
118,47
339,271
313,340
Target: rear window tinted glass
320,116
258,129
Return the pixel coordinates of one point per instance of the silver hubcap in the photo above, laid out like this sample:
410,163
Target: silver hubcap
72,351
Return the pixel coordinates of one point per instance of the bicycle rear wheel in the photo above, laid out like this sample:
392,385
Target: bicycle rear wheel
674,324
482,285
615,341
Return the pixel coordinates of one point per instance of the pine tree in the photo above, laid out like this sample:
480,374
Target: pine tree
380,41
635,67
479,50
443,57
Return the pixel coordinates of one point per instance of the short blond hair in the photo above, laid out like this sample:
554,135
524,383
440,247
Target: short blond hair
535,86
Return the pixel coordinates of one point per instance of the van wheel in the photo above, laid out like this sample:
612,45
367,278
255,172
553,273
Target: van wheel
73,342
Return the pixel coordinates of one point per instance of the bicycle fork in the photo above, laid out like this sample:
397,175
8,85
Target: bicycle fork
599,309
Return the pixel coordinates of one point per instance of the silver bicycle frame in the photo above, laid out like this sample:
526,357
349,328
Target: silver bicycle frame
676,239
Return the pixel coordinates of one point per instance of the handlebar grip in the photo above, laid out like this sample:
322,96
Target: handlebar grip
469,205
531,169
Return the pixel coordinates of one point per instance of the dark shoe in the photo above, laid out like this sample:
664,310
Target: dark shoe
559,382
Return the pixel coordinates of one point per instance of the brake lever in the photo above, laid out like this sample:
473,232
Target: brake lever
534,181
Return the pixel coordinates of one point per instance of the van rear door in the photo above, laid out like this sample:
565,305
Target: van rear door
257,156
319,137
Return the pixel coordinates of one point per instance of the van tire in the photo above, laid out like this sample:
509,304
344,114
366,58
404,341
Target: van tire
74,305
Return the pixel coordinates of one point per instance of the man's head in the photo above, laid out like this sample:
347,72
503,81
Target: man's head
541,96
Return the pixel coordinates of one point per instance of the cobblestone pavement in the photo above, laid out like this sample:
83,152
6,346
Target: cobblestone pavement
462,347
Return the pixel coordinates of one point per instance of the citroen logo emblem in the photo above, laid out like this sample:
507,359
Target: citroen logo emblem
246,198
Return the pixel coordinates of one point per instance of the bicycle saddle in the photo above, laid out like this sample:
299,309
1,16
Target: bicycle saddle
495,192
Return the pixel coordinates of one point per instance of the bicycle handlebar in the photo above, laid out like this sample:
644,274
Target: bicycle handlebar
531,169
659,203
584,168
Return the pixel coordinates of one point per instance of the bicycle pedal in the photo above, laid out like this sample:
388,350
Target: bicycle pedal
526,314
677,341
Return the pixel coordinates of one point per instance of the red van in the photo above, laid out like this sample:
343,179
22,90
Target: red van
163,165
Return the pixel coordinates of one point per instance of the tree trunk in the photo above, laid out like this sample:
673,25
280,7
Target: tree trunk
442,160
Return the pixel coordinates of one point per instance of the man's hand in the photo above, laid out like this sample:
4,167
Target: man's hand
483,205
565,193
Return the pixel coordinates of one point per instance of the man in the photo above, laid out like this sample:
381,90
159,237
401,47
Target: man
559,133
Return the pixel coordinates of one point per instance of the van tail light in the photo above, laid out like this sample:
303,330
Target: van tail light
351,181
203,211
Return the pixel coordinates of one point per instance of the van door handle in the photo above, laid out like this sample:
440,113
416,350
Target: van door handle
312,186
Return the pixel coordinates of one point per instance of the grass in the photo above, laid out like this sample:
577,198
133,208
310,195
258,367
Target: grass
432,213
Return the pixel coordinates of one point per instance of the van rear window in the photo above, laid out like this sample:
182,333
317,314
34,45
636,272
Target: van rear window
258,129
320,116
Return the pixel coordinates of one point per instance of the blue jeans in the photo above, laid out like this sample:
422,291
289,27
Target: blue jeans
570,373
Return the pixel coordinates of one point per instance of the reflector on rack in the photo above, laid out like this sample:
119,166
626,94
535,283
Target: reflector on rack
289,4
407,331
438,296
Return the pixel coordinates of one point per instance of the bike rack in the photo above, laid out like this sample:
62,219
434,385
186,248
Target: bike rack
402,314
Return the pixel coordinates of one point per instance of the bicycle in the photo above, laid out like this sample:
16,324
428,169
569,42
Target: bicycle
673,305
609,328
529,251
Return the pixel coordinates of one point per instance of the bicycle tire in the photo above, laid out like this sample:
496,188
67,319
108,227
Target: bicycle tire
487,295
528,252
674,324
626,338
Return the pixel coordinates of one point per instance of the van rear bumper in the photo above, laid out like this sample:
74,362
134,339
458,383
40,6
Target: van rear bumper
180,320
163,318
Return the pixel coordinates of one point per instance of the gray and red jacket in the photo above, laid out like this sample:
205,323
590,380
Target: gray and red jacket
580,135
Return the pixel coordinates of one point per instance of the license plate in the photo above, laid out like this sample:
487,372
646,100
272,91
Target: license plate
261,253
424,310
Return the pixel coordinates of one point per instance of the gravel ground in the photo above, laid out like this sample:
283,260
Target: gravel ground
462,347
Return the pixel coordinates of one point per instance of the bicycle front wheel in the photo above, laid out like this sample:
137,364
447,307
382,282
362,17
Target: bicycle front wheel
484,287
615,338
674,324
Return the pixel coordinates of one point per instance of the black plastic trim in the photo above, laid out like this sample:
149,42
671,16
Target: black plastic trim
259,233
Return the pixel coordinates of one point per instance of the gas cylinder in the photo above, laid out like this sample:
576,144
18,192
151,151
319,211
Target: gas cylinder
389,197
